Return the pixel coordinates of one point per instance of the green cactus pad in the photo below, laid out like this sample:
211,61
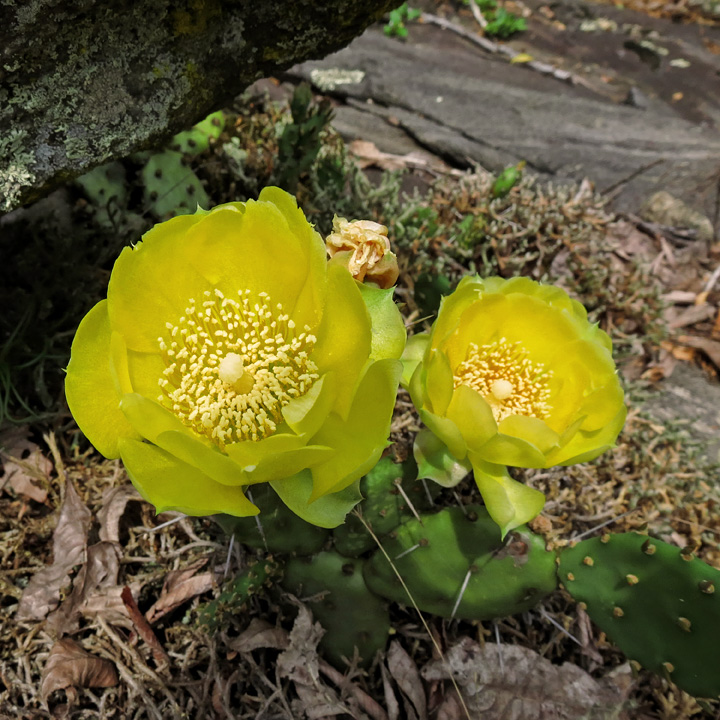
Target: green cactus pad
451,554
282,530
171,188
197,139
352,616
106,189
236,592
384,506
660,605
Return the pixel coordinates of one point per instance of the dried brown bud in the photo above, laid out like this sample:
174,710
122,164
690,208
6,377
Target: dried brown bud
364,247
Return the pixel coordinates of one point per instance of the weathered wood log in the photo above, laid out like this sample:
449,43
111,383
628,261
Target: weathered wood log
85,81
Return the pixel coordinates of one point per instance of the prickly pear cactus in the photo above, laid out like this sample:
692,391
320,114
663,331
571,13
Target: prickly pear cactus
236,592
171,188
352,616
276,528
387,488
660,605
197,139
106,189
455,565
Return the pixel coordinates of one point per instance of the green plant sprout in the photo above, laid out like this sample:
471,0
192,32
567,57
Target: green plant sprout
395,26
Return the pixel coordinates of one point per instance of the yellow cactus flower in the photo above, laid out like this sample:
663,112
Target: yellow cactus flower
363,247
511,374
229,352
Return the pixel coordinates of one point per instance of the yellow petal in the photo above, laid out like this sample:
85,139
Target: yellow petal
472,415
92,385
509,502
169,484
344,336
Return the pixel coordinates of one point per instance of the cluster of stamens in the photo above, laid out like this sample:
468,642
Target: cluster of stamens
505,376
232,365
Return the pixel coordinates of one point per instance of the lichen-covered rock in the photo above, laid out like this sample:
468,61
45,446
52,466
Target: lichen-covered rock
86,81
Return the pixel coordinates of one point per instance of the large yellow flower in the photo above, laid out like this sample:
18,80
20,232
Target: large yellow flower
229,353
512,374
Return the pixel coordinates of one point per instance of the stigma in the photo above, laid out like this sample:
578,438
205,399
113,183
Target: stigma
233,364
503,373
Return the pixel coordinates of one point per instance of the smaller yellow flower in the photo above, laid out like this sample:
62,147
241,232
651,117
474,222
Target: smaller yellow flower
364,248
511,374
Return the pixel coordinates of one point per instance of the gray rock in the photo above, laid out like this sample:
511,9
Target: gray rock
85,81
468,107
688,397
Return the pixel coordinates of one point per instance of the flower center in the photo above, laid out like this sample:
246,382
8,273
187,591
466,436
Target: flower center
232,365
505,376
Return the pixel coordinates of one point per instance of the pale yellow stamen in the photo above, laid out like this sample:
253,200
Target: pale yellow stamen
504,375
232,365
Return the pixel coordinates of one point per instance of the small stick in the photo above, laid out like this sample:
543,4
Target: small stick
229,553
144,630
167,523
554,622
498,643
364,700
258,523
398,484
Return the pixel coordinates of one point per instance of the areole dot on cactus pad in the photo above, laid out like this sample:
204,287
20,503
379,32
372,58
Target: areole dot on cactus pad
655,601
455,564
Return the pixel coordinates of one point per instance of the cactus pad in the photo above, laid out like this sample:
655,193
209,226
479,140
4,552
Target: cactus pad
451,555
660,605
170,187
106,189
385,506
197,139
236,592
282,530
352,616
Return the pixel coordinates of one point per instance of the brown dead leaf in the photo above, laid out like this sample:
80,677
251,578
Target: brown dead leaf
391,703
711,348
114,503
260,634
451,708
99,573
406,675
24,465
68,665
300,661
691,315
510,682
367,154
42,593
179,587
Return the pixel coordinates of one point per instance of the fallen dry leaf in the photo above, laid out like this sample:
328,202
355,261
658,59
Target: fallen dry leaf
113,507
42,593
300,661
406,675
711,348
391,702
260,634
98,574
179,587
68,665
510,682
24,464
691,315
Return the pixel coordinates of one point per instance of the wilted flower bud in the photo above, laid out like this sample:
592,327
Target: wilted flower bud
363,246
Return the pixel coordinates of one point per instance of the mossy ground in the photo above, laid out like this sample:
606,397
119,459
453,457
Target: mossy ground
655,479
